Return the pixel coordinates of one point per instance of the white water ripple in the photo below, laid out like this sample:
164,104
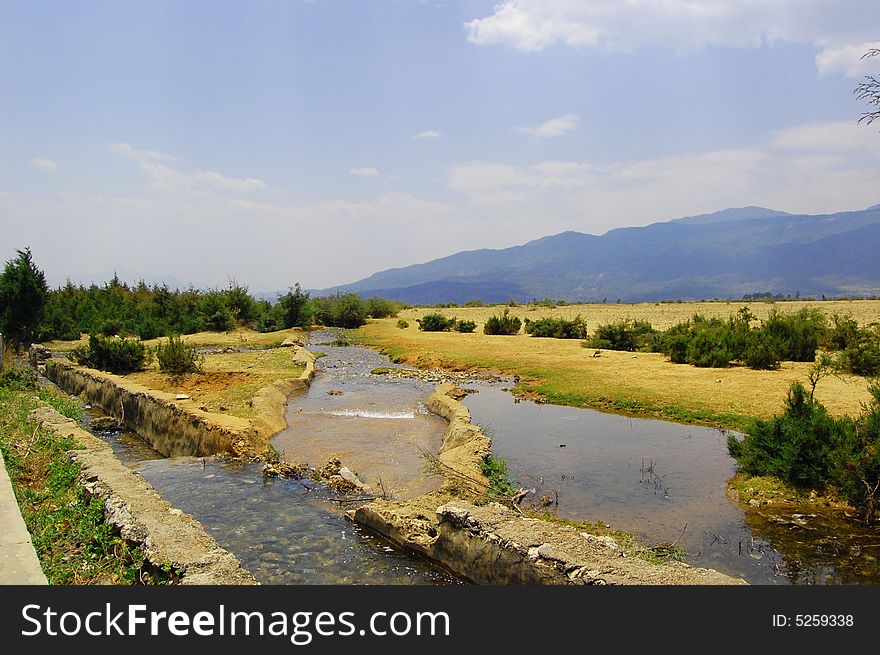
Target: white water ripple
367,413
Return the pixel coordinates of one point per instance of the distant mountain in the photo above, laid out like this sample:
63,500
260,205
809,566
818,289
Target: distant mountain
725,254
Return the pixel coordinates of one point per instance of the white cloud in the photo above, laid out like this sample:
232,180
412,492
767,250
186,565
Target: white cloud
47,165
682,25
551,129
849,60
812,169
168,178
232,184
365,171
427,134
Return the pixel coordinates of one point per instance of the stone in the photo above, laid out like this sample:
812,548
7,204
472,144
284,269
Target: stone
103,423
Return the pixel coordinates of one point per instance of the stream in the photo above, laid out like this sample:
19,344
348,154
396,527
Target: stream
662,481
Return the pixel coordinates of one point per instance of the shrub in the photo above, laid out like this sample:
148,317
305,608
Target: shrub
629,335
349,311
864,358
797,335
796,447
761,353
382,307
435,322
402,324
177,357
504,324
858,459
112,354
843,333
293,308
465,326
557,328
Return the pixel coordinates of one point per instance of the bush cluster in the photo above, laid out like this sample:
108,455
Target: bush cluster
435,322
177,357
807,447
113,354
715,342
629,335
557,328
504,324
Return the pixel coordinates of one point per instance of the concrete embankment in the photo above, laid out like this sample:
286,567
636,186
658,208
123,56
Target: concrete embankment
174,427
493,544
168,537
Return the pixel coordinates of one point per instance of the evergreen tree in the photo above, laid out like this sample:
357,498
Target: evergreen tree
23,294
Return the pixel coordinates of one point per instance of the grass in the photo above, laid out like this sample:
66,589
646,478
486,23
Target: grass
560,371
73,541
773,490
227,381
628,543
660,315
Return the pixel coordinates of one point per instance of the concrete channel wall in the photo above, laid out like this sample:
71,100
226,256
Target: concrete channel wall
167,536
175,427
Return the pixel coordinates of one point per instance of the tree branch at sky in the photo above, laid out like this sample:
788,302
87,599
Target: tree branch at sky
869,90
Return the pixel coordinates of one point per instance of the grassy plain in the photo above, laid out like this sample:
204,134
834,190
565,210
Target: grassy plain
563,372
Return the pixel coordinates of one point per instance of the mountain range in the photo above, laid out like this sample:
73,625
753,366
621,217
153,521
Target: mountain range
726,254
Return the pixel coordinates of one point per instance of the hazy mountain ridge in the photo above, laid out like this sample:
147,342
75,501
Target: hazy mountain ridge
724,254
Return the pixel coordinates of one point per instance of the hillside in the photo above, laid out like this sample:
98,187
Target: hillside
725,254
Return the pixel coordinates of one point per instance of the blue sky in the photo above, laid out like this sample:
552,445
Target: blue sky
321,141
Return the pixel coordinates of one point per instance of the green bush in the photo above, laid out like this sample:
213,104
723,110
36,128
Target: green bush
402,324
858,458
504,324
292,309
797,447
112,354
797,335
863,359
381,307
808,448
177,357
465,326
435,322
629,335
761,353
557,328
843,333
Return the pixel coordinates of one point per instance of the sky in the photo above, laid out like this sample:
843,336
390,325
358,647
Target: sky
320,141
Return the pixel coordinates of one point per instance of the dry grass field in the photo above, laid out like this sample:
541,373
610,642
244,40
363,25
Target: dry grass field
660,315
563,372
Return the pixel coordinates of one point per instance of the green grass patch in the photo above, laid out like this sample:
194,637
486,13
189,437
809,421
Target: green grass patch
73,541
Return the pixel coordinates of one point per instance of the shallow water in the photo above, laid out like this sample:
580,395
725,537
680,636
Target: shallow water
652,478
283,531
378,426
